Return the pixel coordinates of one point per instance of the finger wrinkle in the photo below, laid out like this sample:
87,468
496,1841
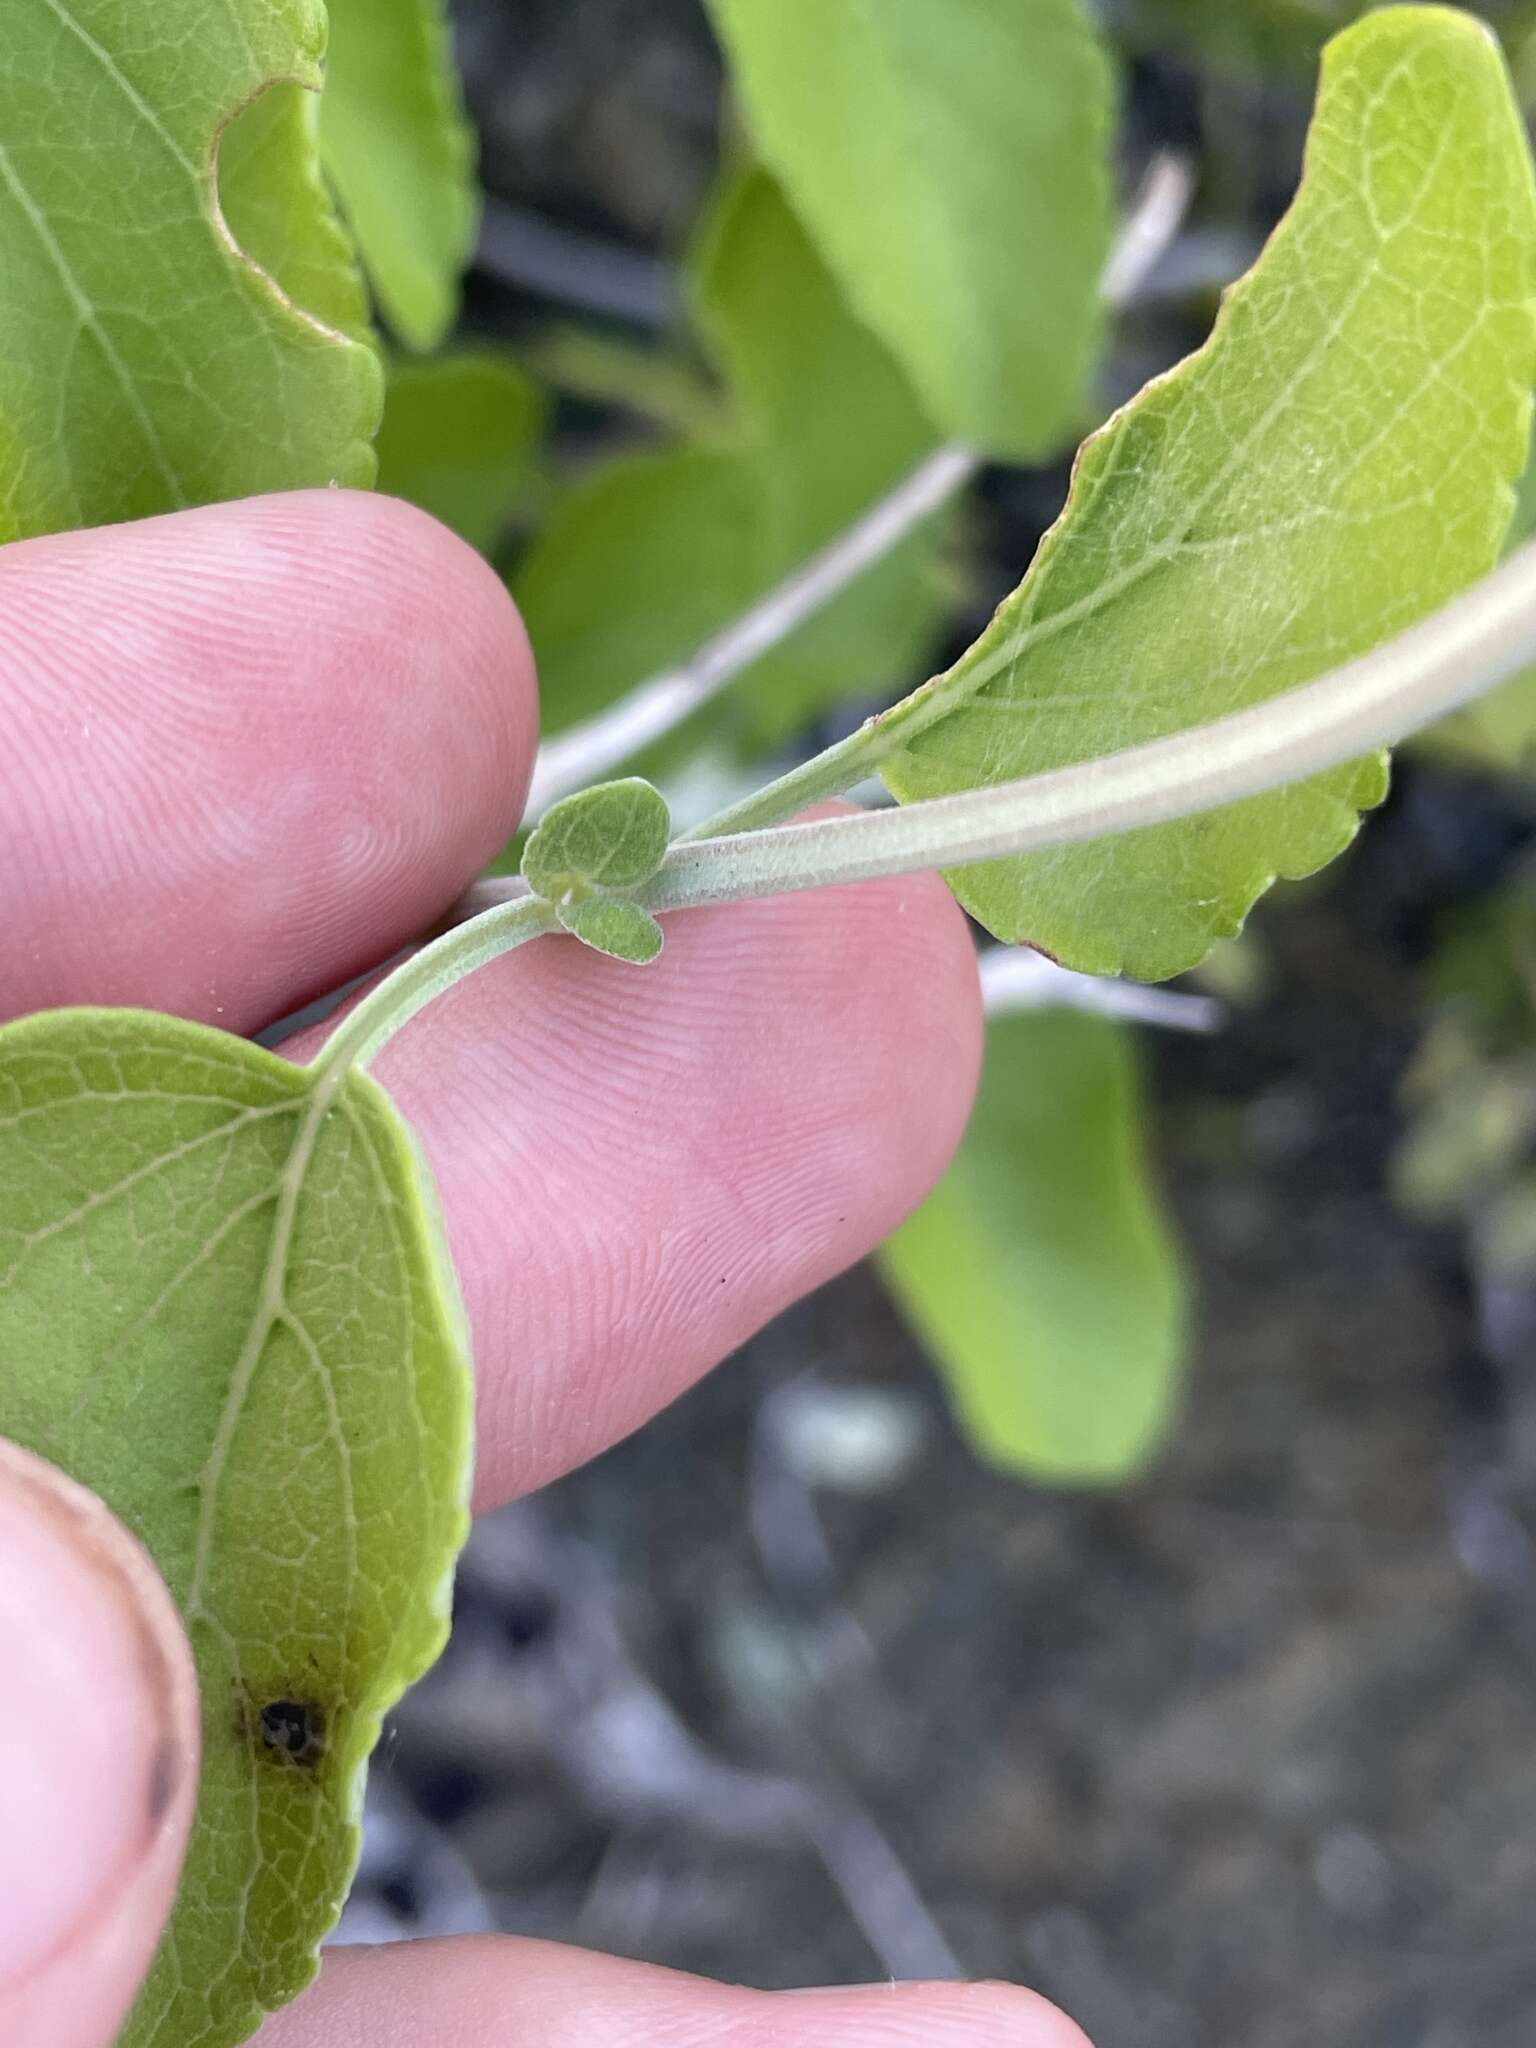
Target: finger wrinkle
639,1168
252,749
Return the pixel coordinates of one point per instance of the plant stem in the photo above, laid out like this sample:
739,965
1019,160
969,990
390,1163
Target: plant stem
427,974
831,773
1476,641
595,747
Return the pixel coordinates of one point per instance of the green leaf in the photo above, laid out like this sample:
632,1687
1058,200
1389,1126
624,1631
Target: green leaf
460,438
1334,464
145,362
610,925
275,201
820,424
401,154
952,164
226,1305
636,565
611,837
1041,1272
831,426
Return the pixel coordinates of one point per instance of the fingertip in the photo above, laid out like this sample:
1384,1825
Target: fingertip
250,749
942,2015
98,1758
639,1168
436,1994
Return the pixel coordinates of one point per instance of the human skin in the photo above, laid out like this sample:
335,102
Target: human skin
245,754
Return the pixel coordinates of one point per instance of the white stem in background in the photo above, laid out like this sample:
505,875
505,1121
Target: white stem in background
593,749
590,751
1014,979
1478,640
1149,230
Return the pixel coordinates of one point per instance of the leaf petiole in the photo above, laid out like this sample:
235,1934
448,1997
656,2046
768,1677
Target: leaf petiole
428,974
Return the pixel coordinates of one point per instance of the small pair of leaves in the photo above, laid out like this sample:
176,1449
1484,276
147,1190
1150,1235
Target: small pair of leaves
952,166
227,1307
818,424
146,361
588,851
460,438
401,155
1040,1272
1334,464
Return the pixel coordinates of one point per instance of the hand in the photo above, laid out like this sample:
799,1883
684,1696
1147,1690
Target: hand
244,754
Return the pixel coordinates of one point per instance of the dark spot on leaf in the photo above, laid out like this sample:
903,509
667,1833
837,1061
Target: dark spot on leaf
293,1730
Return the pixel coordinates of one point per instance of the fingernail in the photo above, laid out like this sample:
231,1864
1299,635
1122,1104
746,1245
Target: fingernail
93,1735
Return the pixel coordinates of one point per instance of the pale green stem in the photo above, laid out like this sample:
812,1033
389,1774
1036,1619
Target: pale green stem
829,774
427,974
1475,642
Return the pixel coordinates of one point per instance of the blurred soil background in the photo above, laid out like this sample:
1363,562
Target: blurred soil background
789,1688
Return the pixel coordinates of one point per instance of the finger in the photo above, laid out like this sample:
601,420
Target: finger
247,751
98,1760
639,1167
527,1994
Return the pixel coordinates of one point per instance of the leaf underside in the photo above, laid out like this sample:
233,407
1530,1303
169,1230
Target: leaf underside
1335,463
1040,1272
146,362
225,1306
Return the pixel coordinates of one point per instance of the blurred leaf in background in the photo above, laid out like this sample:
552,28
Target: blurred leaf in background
146,364
831,425
461,439
1468,1150
401,155
1497,731
951,165
1041,1272
644,559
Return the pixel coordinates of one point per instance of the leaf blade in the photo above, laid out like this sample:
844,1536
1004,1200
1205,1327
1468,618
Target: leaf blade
146,1167
460,438
401,152
1210,554
952,165
1041,1273
681,541
612,836
145,362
